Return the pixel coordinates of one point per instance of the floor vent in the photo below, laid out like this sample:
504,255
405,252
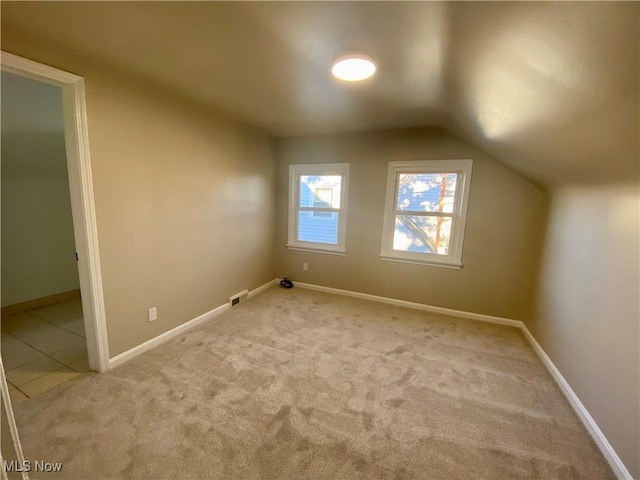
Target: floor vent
238,297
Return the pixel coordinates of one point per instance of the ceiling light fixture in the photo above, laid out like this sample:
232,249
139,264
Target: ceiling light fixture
353,68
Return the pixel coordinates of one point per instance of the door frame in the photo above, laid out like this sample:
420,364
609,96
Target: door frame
85,228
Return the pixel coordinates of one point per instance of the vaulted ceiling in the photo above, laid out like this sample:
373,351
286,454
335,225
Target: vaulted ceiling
550,89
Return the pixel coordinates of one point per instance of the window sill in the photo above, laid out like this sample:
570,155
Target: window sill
432,263
314,249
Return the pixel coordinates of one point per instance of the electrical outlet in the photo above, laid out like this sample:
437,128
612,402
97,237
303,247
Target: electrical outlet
305,266
153,314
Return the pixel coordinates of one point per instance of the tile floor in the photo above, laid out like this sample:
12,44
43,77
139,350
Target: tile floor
42,348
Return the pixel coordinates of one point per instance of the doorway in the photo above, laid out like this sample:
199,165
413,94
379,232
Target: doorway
43,336
91,302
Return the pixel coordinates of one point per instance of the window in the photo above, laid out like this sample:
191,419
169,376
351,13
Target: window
425,212
317,207
323,197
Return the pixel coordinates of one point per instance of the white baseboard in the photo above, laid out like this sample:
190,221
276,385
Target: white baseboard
262,288
605,447
592,427
166,336
417,306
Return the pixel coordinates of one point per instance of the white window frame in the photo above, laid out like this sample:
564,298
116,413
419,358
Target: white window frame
295,172
459,216
314,212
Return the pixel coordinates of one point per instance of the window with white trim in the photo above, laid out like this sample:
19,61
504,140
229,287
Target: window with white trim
425,212
317,207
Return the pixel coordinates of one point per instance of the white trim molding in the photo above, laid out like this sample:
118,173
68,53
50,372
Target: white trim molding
417,306
174,332
458,215
618,467
296,171
262,288
166,336
85,228
603,444
324,251
5,397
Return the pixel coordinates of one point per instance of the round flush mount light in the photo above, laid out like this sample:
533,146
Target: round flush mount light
353,68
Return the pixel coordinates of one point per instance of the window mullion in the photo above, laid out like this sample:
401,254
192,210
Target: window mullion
419,236
423,214
316,228
318,209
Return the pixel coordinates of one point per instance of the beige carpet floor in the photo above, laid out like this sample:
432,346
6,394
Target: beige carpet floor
295,384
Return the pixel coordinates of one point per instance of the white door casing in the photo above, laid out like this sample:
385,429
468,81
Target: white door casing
82,203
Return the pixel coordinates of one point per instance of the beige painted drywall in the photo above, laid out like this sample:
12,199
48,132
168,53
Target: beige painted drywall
588,313
183,197
38,248
501,239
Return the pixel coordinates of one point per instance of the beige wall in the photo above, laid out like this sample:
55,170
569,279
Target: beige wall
501,239
184,199
185,218
588,314
38,248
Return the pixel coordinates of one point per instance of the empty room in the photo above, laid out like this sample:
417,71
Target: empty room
320,240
